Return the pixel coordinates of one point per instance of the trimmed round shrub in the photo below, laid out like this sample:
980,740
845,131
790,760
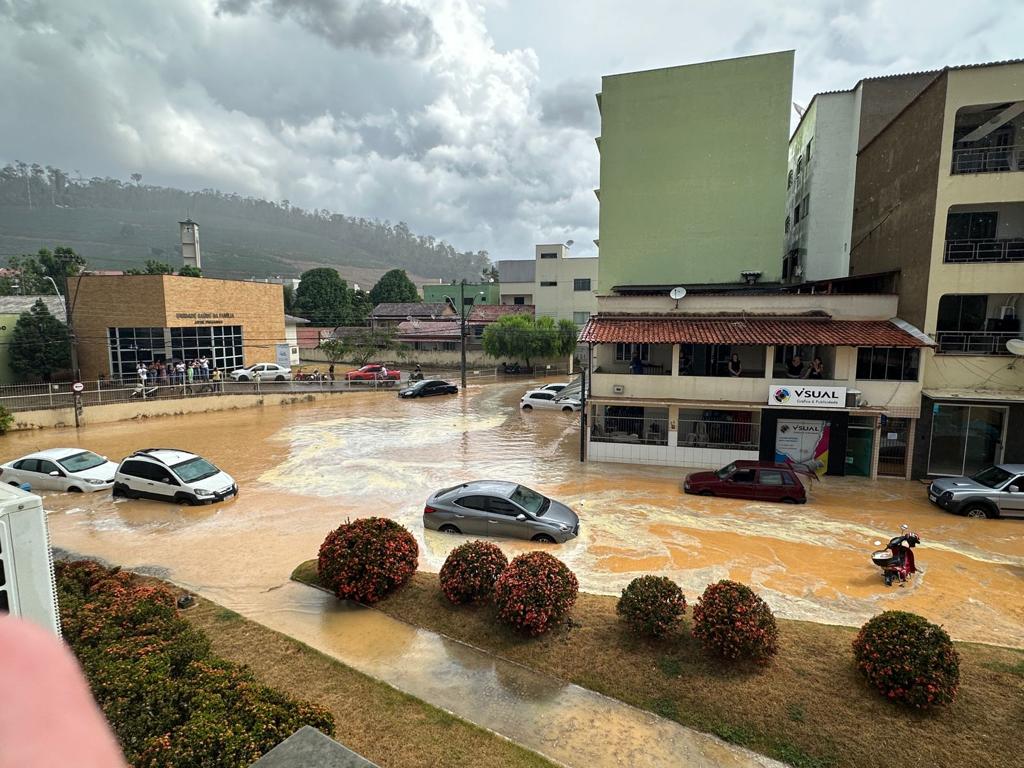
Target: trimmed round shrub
652,605
535,592
366,560
732,622
470,570
908,659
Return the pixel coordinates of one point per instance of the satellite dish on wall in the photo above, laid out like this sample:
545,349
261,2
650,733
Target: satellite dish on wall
1016,347
677,293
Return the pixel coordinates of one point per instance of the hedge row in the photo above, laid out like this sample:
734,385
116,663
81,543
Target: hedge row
902,655
170,701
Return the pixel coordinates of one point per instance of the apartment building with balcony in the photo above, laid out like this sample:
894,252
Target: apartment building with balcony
558,285
721,376
940,196
822,171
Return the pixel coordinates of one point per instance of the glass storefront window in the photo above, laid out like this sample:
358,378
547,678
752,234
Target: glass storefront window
965,438
221,344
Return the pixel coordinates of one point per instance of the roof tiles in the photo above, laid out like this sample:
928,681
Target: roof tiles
783,331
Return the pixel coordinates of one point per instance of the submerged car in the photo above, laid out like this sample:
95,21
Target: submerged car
61,469
500,508
994,492
429,388
545,399
172,475
757,480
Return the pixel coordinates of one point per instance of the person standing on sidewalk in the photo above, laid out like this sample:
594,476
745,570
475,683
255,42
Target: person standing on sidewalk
204,368
143,373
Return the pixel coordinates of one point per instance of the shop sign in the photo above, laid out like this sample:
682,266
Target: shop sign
803,442
205,318
284,355
807,396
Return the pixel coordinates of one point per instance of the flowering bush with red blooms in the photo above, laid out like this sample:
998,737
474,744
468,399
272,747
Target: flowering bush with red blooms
366,560
534,592
732,622
169,700
470,570
908,659
652,605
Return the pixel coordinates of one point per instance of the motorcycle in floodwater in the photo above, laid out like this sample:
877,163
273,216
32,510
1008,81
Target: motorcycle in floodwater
897,559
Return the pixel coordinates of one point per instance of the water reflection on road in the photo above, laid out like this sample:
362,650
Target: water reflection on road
305,468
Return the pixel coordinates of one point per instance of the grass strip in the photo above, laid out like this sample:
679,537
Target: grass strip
809,707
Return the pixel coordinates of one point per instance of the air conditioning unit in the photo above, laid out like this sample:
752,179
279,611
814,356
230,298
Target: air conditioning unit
27,585
618,389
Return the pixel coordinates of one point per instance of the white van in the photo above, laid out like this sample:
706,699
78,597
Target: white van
27,585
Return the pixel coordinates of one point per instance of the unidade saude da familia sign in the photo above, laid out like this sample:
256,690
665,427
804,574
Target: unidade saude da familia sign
205,318
807,396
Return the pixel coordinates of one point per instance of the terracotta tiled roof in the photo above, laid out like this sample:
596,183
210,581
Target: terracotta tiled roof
847,333
422,329
489,313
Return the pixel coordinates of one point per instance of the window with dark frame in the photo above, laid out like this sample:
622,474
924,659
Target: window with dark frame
581,284
625,352
888,364
549,255
548,283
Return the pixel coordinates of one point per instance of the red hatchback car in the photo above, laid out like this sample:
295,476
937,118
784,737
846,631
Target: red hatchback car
758,480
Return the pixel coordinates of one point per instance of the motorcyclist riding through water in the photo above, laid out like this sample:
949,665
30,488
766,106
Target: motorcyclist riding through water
897,559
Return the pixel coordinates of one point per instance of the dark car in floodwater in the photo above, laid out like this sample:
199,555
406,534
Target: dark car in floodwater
429,388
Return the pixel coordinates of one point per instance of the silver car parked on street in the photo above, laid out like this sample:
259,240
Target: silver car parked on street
499,508
994,492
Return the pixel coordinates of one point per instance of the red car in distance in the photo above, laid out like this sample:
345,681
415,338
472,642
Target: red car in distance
373,372
757,480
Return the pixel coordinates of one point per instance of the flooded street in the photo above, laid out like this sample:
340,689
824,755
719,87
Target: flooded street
304,469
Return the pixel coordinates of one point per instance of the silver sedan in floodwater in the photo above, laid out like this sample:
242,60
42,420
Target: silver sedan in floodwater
499,508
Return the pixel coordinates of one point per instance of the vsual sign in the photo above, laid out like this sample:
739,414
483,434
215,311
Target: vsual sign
807,396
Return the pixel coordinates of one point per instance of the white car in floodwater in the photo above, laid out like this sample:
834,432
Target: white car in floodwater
61,469
545,399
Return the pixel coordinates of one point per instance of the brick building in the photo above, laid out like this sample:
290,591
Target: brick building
121,320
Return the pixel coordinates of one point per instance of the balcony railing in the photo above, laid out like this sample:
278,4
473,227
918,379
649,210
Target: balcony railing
697,433
974,342
984,251
988,159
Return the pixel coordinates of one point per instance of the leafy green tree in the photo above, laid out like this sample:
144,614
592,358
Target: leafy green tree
39,344
394,287
189,271
33,270
289,299
323,297
519,337
335,350
490,273
362,306
152,267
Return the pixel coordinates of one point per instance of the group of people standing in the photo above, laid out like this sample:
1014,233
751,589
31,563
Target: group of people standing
178,372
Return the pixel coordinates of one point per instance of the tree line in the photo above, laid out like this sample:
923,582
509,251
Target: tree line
37,186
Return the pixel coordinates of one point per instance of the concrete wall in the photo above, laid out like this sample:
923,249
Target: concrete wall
562,300
894,216
693,168
883,98
104,414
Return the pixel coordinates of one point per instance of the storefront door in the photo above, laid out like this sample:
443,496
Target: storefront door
860,439
892,447
965,438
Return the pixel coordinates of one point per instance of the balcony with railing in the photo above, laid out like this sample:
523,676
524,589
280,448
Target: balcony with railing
977,324
989,138
990,233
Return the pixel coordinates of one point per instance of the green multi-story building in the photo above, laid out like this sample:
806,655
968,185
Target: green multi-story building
434,293
693,172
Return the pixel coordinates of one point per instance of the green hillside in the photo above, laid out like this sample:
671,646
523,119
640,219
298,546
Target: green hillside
118,225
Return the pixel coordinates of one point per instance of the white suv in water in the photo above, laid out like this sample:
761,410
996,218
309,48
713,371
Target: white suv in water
172,475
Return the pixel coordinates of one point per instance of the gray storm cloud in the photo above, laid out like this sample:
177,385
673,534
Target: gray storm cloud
376,25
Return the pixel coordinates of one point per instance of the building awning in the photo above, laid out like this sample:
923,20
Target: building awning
753,330
985,395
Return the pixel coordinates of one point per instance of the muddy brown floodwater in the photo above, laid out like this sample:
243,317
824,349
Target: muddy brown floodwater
304,469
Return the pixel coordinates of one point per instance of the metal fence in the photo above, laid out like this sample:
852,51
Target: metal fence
987,251
975,342
642,430
988,159
37,397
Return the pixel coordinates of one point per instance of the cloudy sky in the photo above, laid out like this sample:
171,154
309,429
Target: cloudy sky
472,121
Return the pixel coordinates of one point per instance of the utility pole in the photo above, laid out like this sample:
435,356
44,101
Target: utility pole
462,335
